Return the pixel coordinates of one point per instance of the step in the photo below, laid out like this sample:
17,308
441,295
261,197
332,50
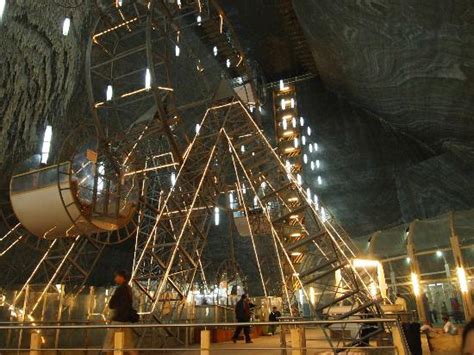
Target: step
319,267
356,310
287,215
277,191
337,300
325,273
303,241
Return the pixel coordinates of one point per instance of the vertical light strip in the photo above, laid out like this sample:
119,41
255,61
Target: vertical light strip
45,255
2,9
48,135
54,275
252,238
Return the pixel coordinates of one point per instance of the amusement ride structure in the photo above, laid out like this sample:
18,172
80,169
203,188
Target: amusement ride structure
174,140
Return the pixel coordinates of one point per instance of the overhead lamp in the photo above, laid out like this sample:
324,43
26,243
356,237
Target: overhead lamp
216,216
199,20
324,216
320,180
299,179
296,253
301,121
214,51
308,130
227,63
47,138
439,253
315,147
177,50
317,163
316,201
147,79
312,164
173,178
66,26
198,128
293,122
303,140
415,283
462,279
231,199
109,93
305,158
365,263
296,142
2,8
282,86
284,124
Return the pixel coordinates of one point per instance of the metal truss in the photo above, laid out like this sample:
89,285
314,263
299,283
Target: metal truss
167,266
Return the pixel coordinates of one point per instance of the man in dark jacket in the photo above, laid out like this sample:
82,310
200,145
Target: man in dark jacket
273,317
121,304
242,314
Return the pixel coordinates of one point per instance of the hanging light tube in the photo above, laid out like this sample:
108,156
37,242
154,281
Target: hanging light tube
2,8
48,135
216,216
147,79
109,93
66,26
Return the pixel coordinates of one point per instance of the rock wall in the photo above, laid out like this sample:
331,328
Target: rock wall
41,74
405,67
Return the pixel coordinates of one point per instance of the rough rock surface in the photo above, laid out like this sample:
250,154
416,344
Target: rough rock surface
392,109
409,66
41,73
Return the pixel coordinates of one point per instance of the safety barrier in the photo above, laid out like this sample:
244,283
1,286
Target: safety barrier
297,331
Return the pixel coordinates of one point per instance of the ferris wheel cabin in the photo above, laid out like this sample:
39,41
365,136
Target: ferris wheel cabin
56,201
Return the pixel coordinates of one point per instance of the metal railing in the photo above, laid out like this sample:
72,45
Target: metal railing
296,330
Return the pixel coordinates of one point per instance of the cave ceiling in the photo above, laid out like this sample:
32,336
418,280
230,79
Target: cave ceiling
390,100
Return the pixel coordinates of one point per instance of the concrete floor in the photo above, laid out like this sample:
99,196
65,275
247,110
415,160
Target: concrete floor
268,345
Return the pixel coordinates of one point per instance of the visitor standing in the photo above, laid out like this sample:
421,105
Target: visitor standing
121,304
273,317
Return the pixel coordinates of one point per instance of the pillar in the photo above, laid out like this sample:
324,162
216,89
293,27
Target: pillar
297,341
119,341
35,343
205,342
415,269
459,262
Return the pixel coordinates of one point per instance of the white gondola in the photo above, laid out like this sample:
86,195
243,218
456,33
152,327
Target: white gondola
55,202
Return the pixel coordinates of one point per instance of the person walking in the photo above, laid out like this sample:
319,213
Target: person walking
242,314
273,317
121,304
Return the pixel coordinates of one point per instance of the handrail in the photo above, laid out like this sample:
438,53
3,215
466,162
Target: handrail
36,326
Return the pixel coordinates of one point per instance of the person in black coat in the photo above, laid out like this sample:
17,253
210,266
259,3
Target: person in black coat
273,317
121,304
243,312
